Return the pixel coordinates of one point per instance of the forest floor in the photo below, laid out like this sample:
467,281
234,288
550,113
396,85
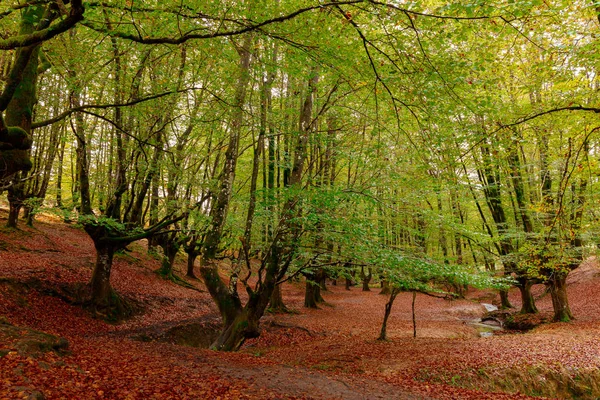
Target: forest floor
329,353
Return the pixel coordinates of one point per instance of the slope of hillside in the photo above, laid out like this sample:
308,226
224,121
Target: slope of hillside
326,353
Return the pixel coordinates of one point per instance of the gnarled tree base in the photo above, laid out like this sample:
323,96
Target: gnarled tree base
114,308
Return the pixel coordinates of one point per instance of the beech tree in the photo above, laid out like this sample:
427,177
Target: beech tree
299,137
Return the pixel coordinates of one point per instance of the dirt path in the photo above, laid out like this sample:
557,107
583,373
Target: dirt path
302,382
284,380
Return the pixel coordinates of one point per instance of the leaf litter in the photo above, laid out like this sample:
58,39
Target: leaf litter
326,353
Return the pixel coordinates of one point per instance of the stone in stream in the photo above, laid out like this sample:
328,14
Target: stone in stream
489,307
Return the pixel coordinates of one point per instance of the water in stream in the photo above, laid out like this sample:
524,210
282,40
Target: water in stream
486,329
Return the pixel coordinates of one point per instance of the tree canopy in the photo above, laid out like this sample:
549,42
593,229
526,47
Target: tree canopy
424,140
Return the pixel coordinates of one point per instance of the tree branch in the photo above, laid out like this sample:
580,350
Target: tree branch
235,32
84,107
75,15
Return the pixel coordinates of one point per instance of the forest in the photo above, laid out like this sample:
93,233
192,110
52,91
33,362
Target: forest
299,199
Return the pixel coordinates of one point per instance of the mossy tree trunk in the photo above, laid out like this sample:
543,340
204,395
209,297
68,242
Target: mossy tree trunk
19,110
366,279
15,200
242,322
504,301
191,260
528,302
107,240
101,290
276,303
170,244
312,293
560,301
246,322
170,252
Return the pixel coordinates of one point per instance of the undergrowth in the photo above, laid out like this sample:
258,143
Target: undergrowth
555,381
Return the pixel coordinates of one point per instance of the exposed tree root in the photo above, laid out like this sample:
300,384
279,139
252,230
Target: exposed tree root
170,276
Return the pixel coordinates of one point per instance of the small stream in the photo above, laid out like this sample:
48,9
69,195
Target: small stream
488,327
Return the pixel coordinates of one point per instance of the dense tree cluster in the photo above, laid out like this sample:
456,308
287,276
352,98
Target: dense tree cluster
421,143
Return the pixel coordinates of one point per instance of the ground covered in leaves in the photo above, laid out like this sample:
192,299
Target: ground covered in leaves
51,348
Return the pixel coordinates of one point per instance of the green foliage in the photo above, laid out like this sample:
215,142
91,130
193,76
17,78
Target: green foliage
408,272
430,153
111,226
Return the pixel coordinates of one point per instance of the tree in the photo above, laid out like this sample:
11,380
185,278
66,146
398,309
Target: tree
37,24
418,275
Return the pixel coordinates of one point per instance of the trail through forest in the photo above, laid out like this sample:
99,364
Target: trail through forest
329,353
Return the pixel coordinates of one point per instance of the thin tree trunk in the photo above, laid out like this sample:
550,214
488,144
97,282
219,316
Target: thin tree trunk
414,318
59,173
152,241
388,310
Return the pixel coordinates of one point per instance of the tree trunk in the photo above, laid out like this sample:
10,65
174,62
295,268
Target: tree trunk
190,264
388,310
228,302
366,279
59,174
385,287
276,304
170,244
312,294
246,323
323,281
348,283
152,240
414,318
15,200
82,152
560,301
170,252
100,284
243,327
29,215
13,215
504,302
527,300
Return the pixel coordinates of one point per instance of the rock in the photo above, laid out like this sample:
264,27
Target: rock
525,322
29,342
492,321
489,307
